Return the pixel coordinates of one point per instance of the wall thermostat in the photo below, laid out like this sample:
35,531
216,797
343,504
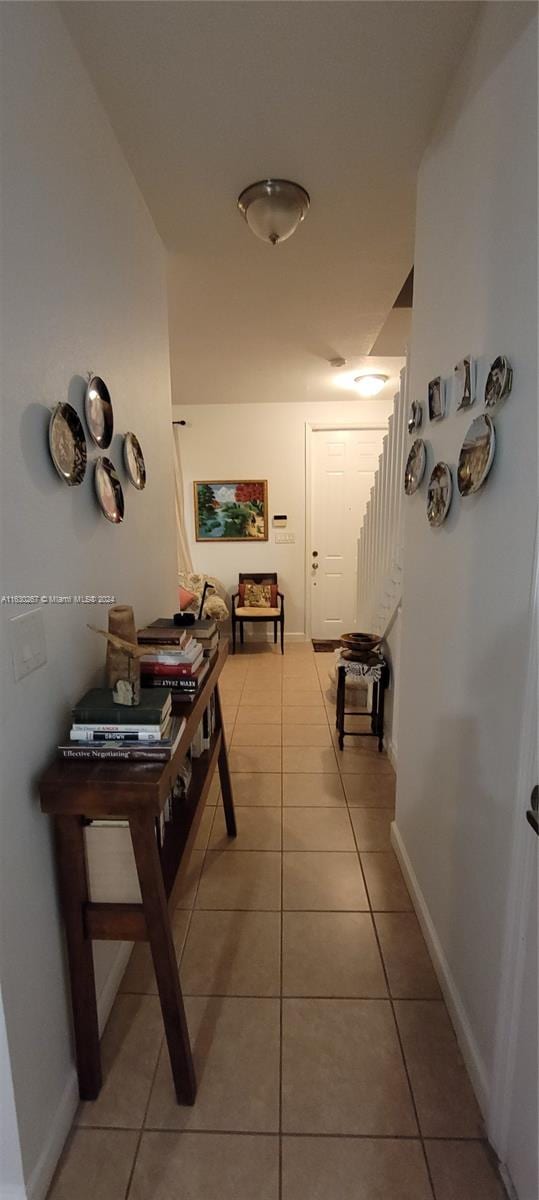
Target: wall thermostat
279,520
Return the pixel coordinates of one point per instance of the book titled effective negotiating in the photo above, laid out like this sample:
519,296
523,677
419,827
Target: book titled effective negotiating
126,751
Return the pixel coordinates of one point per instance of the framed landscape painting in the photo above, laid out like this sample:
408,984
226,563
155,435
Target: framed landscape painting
231,512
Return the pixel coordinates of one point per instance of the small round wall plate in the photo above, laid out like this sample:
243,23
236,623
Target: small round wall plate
499,382
415,467
415,416
134,461
108,490
476,456
439,494
98,412
67,444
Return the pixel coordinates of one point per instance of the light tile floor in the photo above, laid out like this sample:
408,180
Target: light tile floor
327,1065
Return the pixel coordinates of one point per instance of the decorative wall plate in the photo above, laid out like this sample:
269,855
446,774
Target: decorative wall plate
415,416
415,466
98,412
134,461
499,382
108,490
67,444
476,456
439,494
436,399
465,373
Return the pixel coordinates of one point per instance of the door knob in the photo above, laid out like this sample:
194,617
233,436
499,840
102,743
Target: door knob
315,553
315,566
532,814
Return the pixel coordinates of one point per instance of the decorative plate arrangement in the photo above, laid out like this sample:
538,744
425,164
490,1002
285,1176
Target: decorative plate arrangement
436,399
439,494
415,416
134,461
415,467
67,444
465,373
108,490
476,456
499,382
98,412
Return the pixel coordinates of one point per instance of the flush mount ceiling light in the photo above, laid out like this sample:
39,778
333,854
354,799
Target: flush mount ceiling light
273,208
370,385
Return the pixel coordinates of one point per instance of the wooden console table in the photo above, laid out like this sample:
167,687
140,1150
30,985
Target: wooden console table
137,792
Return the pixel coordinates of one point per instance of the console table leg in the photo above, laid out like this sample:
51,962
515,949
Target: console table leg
142,827
224,773
74,895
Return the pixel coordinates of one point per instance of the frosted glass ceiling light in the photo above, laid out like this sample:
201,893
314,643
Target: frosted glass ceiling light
370,385
273,208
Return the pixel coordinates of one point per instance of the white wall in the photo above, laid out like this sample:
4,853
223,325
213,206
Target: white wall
83,282
262,441
466,586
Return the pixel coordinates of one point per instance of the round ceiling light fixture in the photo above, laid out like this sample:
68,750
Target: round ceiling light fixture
273,208
370,385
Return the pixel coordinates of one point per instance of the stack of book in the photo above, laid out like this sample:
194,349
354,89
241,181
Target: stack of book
204,631
176,660
102,729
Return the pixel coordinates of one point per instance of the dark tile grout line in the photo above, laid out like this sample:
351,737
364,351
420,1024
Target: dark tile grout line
274,1133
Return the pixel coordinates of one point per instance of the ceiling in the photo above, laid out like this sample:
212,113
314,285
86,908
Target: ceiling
207,97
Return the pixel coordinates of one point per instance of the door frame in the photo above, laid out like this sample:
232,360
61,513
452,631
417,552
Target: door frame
522,866
312,427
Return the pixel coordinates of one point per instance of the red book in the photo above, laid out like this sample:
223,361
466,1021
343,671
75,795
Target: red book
170,670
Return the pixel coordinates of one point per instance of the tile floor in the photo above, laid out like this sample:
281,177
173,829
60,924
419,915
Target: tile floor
327,1065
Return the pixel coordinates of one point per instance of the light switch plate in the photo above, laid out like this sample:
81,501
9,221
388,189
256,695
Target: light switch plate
28,648
285,539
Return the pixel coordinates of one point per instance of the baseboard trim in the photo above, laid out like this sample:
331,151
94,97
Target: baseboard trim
391,751
268,637
39,1180
457,1012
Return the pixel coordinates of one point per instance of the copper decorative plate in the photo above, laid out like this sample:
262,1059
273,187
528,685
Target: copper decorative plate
67,444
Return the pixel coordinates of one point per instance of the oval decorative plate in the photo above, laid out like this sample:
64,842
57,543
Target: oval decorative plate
415,416
476,456
415,467
98,412
67,444
439,494
134,461
108,490
499,382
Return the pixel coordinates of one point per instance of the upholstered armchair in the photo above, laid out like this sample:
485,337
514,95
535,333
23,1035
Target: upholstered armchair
258,599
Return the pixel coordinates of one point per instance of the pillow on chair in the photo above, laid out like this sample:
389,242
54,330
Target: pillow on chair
185,597
257,595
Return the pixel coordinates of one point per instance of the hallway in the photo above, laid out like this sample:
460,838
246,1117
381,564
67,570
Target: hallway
327,1065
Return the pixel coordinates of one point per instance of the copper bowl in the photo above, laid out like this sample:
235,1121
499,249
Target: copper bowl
358,643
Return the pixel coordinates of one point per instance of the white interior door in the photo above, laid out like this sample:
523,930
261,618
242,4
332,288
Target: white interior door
343,464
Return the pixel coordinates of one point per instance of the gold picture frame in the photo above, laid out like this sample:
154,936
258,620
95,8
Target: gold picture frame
231,510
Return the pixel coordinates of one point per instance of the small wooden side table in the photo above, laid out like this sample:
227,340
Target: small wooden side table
378,675
75,791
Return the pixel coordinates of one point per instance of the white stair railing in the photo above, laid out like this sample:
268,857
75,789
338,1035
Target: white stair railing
380,539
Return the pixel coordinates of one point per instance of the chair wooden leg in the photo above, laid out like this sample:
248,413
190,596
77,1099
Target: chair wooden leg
282,635
233,636
241,633
275,633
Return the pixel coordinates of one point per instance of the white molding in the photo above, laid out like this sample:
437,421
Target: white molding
391,751
463,1029
40,1177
